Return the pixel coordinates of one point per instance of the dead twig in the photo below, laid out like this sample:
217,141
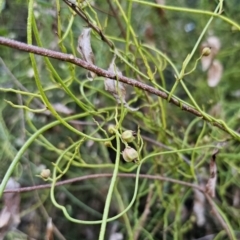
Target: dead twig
101,72
108,175
81,13
131,175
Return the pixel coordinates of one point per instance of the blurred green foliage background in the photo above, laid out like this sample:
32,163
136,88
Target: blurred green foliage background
163,125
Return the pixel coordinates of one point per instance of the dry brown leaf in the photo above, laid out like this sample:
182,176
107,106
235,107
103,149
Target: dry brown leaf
85,49
116,88
214,44
199,207
214,73
211,184
49,230
61,108
206,62
9,215
5,217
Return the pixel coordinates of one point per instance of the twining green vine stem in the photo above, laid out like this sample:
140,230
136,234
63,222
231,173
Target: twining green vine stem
110,191
190,10
26,145
66,214
189,56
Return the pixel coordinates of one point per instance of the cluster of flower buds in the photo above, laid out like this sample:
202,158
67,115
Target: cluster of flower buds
129,154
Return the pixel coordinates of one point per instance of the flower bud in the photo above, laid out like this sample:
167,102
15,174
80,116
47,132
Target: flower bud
108,144
45,173
128,136
206,51
111,129
130,154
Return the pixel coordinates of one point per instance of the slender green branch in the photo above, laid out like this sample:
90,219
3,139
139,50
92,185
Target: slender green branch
189,56
110,192
26,146
26,108
190,10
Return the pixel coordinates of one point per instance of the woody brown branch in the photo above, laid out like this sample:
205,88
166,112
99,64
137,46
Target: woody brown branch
106,175
130,175
101,72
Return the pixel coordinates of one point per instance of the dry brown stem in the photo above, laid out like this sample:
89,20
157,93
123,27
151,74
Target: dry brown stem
101,72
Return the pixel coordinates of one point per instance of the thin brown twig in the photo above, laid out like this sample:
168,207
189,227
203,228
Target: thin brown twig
80,12
108,175
101,72
130,175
